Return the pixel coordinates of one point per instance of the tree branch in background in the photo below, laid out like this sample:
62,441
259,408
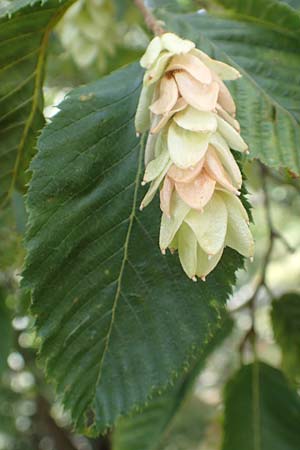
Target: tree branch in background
280,179
273,234
156,26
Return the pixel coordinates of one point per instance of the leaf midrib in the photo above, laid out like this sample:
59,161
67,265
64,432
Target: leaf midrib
256,406
122,267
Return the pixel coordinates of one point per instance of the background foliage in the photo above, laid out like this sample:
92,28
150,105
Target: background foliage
128,341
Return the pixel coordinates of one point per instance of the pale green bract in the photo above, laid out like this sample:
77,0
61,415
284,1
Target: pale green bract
191,116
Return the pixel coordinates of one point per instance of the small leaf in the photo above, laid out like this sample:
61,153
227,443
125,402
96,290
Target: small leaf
25,29
262,412
286,325
272,13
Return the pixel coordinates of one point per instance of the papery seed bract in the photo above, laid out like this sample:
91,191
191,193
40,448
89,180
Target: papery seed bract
153,50
206,263
233,138
194,120
166,195
142,117
170,225
214,168
155,166
156,71
185,175
198,192
192,65
168,95
154,186
225,98
226,116
163,120
175,44
223,70
200,96
238,236
227,159
186,148
187,250
210,226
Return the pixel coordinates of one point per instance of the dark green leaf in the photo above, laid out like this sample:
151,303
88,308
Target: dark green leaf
144,430
25,27
272,14
268,95
262,412
117,319
294,3
286,325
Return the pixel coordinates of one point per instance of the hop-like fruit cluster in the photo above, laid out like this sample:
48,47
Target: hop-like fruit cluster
91,33
191,117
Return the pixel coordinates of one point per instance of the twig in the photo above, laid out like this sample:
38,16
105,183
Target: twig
273,235
152,23
281,180
251,302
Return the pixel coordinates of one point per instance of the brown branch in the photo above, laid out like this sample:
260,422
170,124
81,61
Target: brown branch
251,302
156,26
273,236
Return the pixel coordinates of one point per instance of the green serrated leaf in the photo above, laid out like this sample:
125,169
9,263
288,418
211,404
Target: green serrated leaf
117,319
25,26
294,3
268,94
145,429
262,412
272,14
286,324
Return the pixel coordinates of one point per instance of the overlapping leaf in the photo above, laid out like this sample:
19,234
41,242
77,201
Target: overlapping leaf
268,95
286,325
117,319
273,14
262,412
145,429
294,3
25,26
